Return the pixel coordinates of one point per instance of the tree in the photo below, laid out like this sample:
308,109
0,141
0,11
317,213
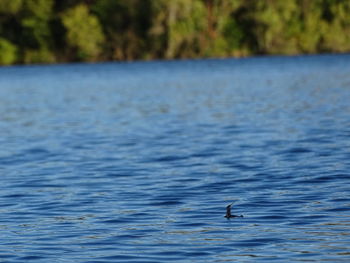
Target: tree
179,24
8,52
84,32
36,44
125,24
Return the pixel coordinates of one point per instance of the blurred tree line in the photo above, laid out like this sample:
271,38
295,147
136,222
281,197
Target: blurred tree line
49,31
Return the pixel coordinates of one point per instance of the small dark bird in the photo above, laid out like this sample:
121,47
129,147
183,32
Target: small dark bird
228,212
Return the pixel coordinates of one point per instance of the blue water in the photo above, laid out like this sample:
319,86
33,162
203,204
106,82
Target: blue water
136,162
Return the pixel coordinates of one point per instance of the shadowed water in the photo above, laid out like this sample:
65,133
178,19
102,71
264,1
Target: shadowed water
136,162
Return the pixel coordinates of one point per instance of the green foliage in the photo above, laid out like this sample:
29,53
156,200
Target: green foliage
225,32
277,26
125,25
84,32
40,9
8,52
311,28
185,24
10,6
233,36
36,31
41,55
47,31
337,32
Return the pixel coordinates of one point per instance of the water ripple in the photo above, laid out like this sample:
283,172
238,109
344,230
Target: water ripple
137,162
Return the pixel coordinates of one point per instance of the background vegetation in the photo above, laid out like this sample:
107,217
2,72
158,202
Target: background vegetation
49,31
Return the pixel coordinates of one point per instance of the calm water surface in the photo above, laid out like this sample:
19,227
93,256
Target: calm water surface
136,162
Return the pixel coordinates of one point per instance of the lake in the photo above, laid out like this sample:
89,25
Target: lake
136,162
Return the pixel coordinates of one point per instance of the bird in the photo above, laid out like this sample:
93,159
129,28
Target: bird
228,212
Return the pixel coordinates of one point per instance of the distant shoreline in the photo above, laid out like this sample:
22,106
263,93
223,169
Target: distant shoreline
50,32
